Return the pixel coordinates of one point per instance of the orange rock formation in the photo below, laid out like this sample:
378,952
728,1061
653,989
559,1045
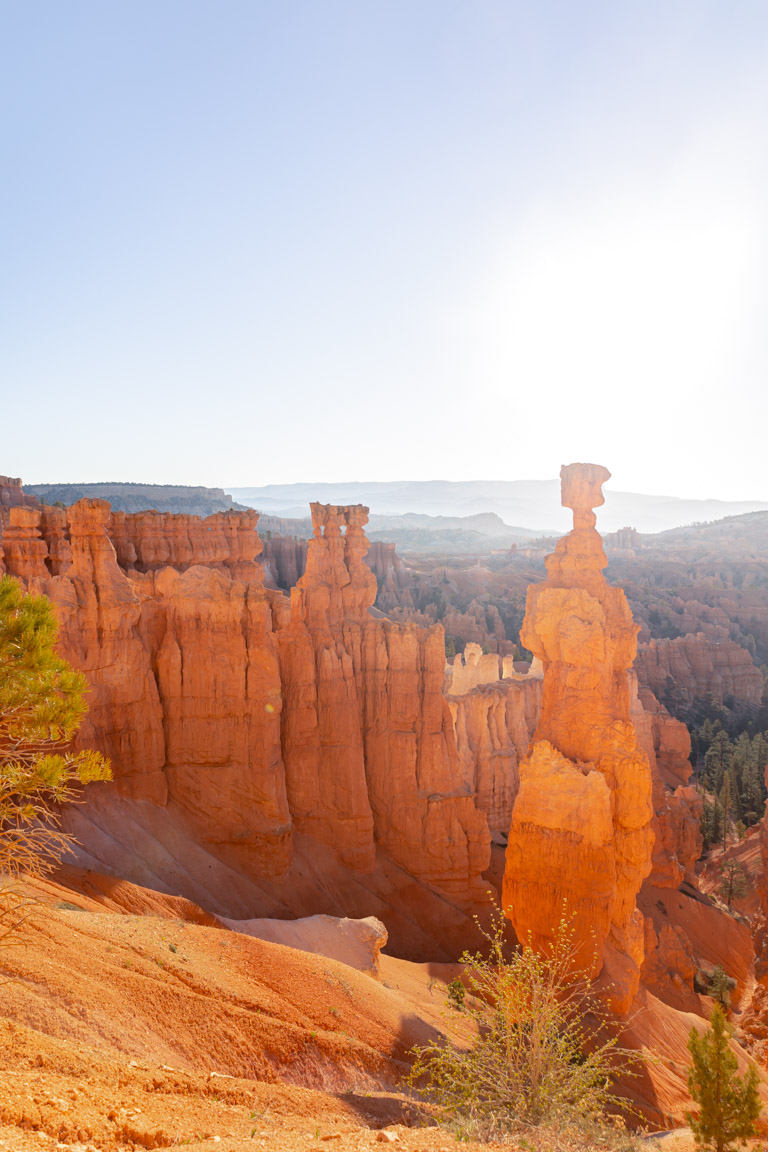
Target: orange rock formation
251,714
580,835
12,494
393,578
494,720
696,665
677,805
368,739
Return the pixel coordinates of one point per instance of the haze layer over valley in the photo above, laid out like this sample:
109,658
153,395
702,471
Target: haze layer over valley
513,509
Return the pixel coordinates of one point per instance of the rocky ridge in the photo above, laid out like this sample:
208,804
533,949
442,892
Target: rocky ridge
253,715
178,498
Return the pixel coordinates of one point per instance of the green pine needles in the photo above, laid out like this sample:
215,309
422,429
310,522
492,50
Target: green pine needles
729,1104
42,703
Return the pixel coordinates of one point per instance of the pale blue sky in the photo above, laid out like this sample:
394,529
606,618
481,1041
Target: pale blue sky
256,242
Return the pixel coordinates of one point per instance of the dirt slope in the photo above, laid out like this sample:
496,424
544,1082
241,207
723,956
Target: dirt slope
126,1031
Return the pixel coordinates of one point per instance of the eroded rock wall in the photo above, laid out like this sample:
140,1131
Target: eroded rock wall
494,724
677,806
693,666
12,495
253,713
392,577
369,747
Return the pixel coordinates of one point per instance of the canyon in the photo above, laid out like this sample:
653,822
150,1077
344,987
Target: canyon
288,740
254,719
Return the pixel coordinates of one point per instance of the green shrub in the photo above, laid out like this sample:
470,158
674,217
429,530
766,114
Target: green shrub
531,1049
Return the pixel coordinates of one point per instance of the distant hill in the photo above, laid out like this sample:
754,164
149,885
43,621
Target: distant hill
748,532
412,532
485,523
532,504
139,497
411,512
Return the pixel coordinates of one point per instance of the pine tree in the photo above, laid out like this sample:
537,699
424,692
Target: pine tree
711,822
729,1104
733,881
42,703
720,985
717,760
725,804
733,788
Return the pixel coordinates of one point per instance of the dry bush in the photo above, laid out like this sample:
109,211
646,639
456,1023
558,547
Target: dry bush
534,1057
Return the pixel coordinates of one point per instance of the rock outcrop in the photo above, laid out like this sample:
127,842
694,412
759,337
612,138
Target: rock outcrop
392,577
12,494
24,551
369,746
253,715
149,541
580,837
284,560
677,806
693,666
470,669
357,943
494,723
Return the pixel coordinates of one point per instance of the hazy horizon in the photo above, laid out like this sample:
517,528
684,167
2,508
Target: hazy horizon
244,489
244,243
527,505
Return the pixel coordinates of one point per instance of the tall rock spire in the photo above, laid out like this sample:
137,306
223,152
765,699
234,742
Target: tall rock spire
580,838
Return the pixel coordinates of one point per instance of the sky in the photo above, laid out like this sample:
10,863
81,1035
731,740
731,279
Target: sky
246,242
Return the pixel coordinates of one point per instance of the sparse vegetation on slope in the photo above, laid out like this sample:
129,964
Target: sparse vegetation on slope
533,1054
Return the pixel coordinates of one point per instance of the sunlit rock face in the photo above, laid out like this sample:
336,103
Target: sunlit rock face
580,838
254,714
368,741
12,495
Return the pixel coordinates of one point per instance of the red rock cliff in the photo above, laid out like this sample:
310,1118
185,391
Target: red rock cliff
581,823
248,712
369,747
696,665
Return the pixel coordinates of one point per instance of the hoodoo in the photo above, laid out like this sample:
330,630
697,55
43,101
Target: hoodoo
580,839
251,717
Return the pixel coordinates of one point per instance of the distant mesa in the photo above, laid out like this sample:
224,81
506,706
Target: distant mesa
124,497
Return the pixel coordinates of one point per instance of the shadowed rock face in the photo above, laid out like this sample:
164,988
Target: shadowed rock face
252,713
699,664
580,835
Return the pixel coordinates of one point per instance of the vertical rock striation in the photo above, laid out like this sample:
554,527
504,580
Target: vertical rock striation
320,657
580,836
251,713
677,805
368,741
694,666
